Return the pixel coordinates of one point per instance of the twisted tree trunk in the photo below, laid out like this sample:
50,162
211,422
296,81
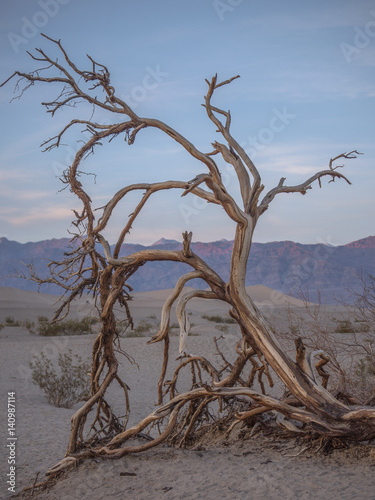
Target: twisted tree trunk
106,276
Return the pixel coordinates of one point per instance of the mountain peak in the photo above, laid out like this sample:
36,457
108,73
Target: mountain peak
368,242
164,241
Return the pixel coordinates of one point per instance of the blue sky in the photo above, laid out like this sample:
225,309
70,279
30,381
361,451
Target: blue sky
308,67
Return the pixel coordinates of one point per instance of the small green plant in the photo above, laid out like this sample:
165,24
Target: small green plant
69,386
219,319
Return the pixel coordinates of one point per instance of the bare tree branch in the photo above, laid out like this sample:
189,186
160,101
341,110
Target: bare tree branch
166,311
182,317
149,190
225,131
302,188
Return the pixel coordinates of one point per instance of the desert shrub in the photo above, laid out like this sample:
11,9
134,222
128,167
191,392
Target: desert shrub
363,381
351,356
222,328
219,319
294,330
362,326
363,369
10,321
174,330
142,328
347,326
134,334
68,327
344,326
66,387
29,325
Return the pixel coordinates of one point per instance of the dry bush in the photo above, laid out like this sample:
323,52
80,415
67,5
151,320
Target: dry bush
363,316
143,328
66,387
348,343
68,327
10,321
216,318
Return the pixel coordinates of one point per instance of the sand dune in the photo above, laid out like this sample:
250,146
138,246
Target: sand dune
239,470
22,305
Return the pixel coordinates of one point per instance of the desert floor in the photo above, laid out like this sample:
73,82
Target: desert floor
260,467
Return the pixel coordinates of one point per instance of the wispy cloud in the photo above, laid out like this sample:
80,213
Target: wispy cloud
298,161
35,215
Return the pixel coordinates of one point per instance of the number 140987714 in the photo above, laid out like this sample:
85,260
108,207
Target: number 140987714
11,413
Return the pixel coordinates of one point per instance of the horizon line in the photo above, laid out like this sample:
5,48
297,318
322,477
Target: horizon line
167,240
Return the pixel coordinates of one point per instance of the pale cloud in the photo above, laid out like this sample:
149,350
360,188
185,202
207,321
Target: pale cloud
23,194
37,215
297,162
10,174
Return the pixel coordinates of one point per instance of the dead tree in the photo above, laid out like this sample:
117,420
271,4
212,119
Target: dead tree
105,274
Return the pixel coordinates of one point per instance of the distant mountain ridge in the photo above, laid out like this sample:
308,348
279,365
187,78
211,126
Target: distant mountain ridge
368,242
280,265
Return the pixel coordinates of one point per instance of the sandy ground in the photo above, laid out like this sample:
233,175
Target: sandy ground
256,468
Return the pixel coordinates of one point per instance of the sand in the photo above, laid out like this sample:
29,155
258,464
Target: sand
259,467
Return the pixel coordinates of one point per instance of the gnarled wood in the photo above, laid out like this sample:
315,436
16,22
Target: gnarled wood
106,277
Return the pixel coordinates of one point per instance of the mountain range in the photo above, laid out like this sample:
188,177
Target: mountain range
284,265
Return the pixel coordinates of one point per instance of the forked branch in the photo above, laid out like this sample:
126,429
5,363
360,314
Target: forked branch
305,186
236,151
